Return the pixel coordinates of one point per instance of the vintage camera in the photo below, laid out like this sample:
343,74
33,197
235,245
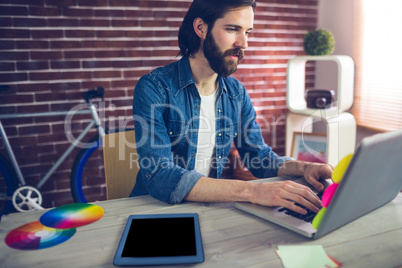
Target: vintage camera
319,98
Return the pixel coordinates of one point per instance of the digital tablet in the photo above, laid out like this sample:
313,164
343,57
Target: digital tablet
159,239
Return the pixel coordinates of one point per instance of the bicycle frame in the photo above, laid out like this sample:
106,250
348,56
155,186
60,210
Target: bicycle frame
91,109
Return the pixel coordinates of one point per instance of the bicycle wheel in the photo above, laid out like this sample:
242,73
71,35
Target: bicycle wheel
87,175
7,186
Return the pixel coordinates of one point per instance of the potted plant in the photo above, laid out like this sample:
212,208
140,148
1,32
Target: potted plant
319,42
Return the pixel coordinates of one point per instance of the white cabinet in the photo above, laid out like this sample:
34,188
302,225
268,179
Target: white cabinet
340,125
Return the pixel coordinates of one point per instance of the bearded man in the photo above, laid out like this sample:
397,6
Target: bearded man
189,113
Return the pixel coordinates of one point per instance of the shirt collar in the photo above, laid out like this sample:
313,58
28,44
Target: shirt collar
186,77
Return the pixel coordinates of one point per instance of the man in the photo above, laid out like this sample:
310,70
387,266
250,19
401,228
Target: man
188,114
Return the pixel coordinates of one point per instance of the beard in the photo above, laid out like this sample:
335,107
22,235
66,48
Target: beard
218,60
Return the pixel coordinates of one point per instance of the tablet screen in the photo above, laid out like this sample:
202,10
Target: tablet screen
160,239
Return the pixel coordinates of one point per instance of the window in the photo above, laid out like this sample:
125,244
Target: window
378,57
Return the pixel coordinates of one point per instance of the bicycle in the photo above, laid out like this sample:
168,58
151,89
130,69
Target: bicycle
15,194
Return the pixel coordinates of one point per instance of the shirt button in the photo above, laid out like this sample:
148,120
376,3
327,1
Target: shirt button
192,156
197,106
170,133
236,134
220,134
220,110
219,157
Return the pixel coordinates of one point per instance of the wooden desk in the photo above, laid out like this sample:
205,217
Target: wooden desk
231,238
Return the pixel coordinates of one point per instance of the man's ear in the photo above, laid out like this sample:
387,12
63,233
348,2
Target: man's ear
200,28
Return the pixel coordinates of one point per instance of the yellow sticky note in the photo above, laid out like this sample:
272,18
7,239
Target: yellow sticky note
317,219
340,169
303,256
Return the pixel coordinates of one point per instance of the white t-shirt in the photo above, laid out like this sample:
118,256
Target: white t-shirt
206,134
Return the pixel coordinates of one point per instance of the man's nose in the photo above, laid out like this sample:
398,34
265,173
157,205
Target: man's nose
241,41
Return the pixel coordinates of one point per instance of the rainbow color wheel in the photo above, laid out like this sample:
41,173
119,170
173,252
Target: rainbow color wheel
34,235
72,216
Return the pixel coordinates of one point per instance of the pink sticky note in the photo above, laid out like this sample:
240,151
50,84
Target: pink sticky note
328,194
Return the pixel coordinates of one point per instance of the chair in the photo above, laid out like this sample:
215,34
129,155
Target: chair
121,163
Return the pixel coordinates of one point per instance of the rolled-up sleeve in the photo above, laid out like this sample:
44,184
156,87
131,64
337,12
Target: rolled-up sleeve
164,179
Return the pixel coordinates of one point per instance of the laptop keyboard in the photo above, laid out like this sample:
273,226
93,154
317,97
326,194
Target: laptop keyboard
308,217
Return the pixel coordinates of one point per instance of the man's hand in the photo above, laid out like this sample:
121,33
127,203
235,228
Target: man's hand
286,194
314,172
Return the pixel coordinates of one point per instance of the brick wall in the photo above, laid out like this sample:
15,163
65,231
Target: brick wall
51,51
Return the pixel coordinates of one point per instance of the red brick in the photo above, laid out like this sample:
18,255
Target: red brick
7,109
33,108
79,54
133,14
76,75
61,2
12,77
80,33
110,34
153,23
102,74
94,23
96,43
28,22
109,12
45,76
34,129
125,43
139,53
14,33
64,64
78,12
64,86
13,10
6,22
34,44
7,44
96,64
92,3
185,5
140,34
125,23
32,65
124,3
7,66
151,3
31,87
45,11
65,44
126,64
109,53
47,34
62,22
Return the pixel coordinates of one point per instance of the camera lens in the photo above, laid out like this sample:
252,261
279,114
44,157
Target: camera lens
320,102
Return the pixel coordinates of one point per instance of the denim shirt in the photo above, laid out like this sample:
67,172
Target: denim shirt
166,111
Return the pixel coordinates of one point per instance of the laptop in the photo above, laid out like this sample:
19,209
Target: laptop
372,179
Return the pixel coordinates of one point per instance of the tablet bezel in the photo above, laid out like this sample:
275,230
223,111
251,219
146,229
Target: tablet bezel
137,261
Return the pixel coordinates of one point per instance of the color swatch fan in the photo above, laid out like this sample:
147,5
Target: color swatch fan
72,216
34,235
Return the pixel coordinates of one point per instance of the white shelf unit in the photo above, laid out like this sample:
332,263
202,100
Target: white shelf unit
340,125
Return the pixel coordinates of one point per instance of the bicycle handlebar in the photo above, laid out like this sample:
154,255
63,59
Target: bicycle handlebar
94,93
